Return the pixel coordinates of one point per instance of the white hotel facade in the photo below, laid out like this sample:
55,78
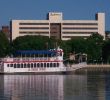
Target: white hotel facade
55,26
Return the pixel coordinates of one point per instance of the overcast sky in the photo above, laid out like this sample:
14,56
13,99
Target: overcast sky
37,9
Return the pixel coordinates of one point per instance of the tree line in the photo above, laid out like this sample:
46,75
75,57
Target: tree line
97,49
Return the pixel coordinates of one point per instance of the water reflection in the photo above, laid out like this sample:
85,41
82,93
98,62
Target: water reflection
54,87
96,87
33,87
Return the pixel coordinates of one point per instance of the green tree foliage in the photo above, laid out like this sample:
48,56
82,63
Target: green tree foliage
94,47
33,43
78,45
66,48
4,45
106,51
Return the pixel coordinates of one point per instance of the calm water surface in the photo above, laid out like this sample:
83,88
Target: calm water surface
55,87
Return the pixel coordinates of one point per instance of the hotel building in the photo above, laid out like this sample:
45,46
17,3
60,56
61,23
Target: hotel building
54,26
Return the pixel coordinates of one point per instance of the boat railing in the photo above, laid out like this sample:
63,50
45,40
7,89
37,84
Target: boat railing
30,59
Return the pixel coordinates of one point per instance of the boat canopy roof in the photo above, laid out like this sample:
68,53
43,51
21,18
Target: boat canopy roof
35,52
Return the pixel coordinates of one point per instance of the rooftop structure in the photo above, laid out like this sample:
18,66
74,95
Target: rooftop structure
6,30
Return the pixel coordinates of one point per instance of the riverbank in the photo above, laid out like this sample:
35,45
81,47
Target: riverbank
94,68
98,65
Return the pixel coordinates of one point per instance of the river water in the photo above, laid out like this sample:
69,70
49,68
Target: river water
55,87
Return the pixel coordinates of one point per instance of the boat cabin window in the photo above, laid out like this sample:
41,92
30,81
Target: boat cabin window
8,65
18,65
54,64
31,65
57,64
21,65
38,65
44,64
28,65
47,64
24,65
14,65
34,65
50,64
11,65
41,64
60,53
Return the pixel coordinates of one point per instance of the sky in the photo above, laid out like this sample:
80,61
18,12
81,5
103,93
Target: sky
38,9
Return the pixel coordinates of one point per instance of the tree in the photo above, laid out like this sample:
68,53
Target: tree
106,51
4,45
33,43
78,45
94,47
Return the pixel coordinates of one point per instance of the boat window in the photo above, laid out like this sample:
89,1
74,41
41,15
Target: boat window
57,64
41,64
24,65
28,65
38,65
8,65
18,65
34,65
14,65
31,65
60,53
50,64
11,65
47,64
54,64
44,64
21,65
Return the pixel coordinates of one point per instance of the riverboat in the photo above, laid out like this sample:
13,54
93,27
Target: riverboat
36,62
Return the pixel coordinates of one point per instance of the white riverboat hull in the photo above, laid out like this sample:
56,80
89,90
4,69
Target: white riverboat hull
58,70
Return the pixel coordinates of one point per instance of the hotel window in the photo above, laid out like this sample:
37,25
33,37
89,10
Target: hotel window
74,36
80,23
33,28
33,23
79,28
36,33
77,32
